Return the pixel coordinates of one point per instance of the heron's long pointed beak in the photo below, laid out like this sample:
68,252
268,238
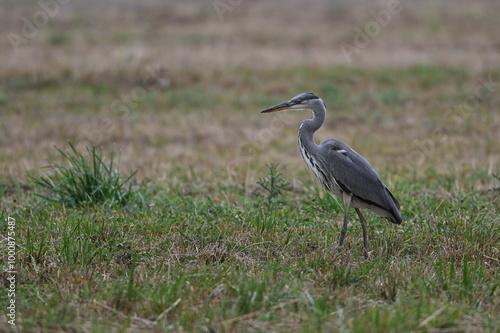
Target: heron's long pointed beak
279,107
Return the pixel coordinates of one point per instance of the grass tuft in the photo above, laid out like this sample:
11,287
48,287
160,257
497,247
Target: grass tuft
87,179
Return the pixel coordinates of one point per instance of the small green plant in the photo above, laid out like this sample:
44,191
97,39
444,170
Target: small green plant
274,184
85,180
266,219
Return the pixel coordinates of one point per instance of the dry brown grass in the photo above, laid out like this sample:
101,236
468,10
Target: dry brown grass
189,36
62,84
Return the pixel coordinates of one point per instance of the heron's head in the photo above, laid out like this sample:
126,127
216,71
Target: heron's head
300,102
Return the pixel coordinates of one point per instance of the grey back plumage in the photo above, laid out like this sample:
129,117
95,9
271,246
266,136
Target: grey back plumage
355,175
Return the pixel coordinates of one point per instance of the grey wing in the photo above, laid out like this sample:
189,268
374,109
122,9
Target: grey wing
354,174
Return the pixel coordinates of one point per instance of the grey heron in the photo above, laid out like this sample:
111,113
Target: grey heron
340,169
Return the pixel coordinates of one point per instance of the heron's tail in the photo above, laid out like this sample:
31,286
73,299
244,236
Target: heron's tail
394,210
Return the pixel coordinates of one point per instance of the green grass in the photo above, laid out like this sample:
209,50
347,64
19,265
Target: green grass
203,264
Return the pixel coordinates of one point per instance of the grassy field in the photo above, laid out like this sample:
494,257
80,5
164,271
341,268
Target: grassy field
200,245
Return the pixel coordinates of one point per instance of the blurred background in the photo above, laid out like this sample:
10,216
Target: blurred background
177,86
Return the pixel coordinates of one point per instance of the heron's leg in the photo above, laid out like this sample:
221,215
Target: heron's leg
347,202
365,235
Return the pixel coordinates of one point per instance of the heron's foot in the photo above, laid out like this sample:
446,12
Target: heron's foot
365,250
340,247
342,238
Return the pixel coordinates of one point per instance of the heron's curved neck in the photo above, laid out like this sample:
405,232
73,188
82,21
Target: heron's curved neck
309,126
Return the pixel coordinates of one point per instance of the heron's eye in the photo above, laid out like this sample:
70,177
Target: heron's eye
299,102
